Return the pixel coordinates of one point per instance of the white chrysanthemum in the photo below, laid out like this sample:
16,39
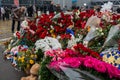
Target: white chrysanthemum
47,43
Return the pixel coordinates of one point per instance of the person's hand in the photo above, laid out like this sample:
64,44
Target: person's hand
15,16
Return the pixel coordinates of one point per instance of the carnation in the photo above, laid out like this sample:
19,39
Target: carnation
100,67
89,63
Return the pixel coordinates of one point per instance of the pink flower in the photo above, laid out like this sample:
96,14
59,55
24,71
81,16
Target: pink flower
100,67
55,65
72,62
89,62
49,53
81,59
112,71
70,52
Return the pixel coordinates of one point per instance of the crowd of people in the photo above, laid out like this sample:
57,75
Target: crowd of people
5,12
17,14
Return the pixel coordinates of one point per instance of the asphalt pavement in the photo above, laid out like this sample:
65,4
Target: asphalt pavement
7,71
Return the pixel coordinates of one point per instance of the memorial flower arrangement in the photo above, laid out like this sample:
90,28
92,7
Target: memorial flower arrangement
111,56
47,43
21,57
67,41
69,58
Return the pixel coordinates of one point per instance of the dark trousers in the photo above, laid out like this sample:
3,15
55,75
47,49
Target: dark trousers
3,17
13,25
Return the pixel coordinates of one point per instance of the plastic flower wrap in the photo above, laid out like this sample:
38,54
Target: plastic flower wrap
93,21
47,43
92,26
113,36
94,32
111,56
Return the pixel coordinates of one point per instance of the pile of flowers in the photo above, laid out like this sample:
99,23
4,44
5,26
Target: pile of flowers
21,56
70,58
47,43
68,40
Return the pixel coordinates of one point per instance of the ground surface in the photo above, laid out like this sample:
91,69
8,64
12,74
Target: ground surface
7,71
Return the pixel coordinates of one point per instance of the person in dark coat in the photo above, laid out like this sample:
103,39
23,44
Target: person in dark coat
52,8
118,10
30,11
45,8
7,12
58,8
17,15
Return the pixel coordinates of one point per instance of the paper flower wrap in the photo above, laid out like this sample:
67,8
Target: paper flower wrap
111,56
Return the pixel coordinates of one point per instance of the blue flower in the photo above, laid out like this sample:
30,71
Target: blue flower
116,57
101,54
118,66
113,54
108,55
70,31
118,52
115,64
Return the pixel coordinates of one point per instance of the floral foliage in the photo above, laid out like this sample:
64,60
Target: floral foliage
85,51
21,56
52,37
88,62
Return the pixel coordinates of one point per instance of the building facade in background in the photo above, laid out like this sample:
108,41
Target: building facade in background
63,3
0,2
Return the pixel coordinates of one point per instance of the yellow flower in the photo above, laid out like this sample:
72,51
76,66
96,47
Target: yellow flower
19,58
23,57
35,56
22,60
31,61
111,59
51,31
53,35
105,58
32,56
28,66
117,61
88,28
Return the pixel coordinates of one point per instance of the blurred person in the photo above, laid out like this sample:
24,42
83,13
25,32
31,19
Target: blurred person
17,15
118,9
65,8
7,13
52,7
0,13
45,8
34,11
30,11
58,8
98,12
3,13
